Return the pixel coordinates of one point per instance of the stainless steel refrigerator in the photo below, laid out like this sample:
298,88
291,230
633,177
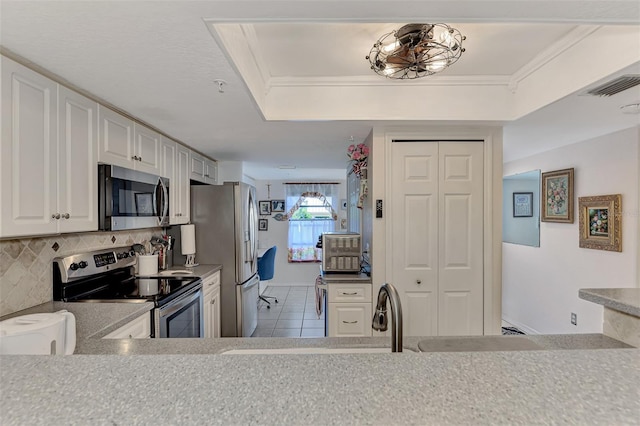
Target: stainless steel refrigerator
226,224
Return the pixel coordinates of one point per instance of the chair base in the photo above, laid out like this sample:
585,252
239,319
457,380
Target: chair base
264,298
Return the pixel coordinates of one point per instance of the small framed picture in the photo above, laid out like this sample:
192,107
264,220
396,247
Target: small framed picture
600,222
522,204
277,205
263,224
264,207
556,198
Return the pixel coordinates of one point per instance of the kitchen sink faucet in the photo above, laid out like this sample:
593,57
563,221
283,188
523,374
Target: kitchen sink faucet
387,291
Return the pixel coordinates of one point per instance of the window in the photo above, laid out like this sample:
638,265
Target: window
311,212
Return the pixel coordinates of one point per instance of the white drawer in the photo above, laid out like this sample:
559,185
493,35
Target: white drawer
349,293
211,282
349,319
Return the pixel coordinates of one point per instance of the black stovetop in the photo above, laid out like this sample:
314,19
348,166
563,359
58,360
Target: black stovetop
121,287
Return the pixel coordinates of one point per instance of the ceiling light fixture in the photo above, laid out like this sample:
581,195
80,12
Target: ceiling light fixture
416,50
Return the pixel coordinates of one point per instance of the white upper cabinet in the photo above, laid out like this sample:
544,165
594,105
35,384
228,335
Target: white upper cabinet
115,141
127,144
77,171
182,187
147,149
203,169
46,186
175,162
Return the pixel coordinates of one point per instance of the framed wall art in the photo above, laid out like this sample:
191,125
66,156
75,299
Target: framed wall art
600,222
277,205
264,207
263,224
522,204
556,198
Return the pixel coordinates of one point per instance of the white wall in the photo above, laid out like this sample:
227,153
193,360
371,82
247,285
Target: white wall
540,285
277,234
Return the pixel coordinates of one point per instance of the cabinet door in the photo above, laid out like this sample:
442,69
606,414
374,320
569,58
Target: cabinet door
169,157
28,152
349,319
181,187
197,171
211,290
139,328
77,163
210,172
115,140
147,150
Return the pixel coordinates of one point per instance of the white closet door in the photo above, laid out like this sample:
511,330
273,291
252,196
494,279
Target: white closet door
414,240
437,236
460,277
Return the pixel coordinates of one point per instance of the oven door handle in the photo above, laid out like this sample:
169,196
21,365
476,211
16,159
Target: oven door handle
181,302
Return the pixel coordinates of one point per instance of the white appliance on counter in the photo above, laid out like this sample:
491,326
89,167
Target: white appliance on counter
39,334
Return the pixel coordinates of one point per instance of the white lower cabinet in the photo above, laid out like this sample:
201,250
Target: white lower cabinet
211,290
139,328
349,310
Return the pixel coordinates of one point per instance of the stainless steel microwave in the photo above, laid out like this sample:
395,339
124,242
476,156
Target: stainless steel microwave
129,199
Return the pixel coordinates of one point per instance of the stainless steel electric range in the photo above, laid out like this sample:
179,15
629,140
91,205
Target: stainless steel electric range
108,276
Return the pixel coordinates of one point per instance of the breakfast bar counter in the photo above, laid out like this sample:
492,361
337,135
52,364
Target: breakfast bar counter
592,386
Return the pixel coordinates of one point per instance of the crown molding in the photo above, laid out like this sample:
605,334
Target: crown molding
375,80
575,36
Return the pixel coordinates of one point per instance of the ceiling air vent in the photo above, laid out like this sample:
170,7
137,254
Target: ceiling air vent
616,86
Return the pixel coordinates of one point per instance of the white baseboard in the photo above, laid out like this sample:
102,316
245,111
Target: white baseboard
520,326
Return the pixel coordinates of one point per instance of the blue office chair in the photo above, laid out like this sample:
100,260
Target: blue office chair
266,266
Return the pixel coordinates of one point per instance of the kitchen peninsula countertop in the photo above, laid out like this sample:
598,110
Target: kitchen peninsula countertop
520,387
625,300
573,379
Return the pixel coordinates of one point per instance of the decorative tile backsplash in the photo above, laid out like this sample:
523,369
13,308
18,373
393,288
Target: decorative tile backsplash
26,271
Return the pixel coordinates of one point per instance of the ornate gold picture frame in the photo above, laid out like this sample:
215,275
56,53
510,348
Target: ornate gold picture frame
556,198
601,222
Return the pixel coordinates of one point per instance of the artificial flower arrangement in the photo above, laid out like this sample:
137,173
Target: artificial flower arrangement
358,154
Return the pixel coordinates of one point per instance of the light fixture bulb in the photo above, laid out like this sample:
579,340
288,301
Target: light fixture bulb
391,46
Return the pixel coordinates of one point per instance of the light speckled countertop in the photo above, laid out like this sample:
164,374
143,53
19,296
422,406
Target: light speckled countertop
625,300
187,381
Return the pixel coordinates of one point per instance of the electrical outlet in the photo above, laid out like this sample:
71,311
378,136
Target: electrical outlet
574,318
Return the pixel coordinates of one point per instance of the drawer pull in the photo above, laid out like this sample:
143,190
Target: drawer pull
349,322
418,282
349,294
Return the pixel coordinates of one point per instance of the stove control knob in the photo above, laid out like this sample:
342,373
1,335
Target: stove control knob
83,264
121,255
132,253
73,266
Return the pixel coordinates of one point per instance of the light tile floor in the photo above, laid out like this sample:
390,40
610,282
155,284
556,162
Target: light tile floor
293,316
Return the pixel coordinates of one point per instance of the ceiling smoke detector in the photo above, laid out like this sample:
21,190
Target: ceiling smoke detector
631,108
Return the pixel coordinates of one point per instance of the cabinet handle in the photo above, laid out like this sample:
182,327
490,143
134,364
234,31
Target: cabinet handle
206,175
349,294
139,158
55,216
66,216
350,322
135,157
418,282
